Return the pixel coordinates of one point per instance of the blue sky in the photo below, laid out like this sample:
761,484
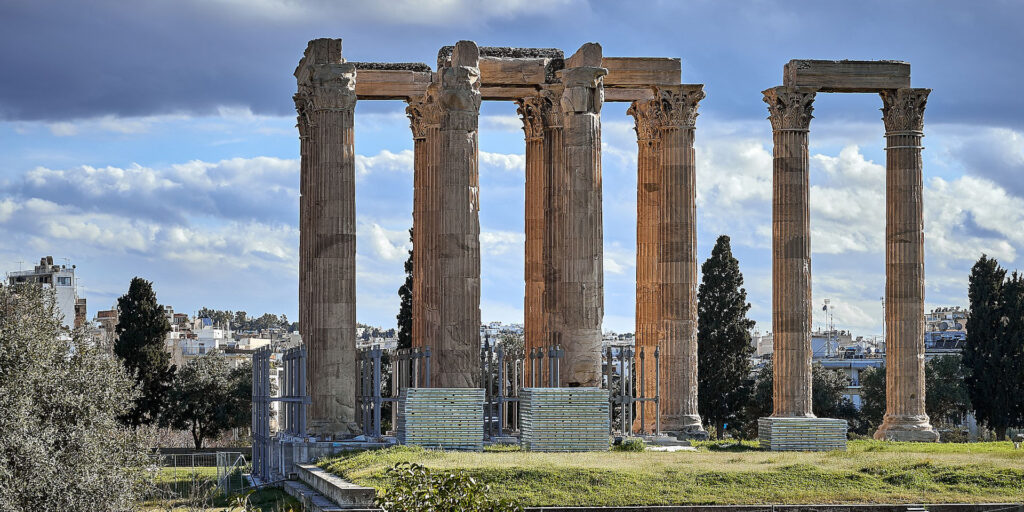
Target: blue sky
157,139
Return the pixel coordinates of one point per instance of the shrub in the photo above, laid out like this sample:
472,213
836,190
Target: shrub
634,444
413,488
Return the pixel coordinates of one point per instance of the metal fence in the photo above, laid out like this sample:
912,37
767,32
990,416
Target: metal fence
625,374
383,374
198,475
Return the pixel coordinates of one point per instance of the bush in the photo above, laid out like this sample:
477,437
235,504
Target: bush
412,488
633,444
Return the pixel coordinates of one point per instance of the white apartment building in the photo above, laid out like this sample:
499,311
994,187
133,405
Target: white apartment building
61,279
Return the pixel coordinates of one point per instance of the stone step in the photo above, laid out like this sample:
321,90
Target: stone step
311,500
346,495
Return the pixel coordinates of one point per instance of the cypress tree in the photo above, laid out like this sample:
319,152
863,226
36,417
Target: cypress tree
723,339
980,352
141,330
405,311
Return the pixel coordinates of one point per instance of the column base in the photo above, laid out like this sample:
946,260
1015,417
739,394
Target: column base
333,429
802,434
684,427
907,428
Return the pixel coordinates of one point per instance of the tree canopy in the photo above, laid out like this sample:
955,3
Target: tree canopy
208,397
141,334
405,310
723,339
993,357
62,446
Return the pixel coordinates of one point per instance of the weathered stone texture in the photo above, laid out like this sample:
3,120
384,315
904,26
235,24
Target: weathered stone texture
580,295
424,119
532,111
325,101
905,416
456,361
846,75
790,114
677,259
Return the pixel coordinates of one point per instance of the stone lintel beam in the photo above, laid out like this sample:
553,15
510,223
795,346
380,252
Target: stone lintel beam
325,102
640,71
905,416
456,363
847,75
790,114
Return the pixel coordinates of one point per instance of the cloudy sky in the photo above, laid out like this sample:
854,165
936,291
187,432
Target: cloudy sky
157,139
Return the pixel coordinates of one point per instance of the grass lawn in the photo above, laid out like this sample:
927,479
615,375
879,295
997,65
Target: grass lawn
175,493
870,472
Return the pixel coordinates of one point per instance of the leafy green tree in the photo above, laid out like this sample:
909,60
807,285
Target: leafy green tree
723,339
872,398
946,397
62,446
413,488
992,355
141,331
209,397
405,310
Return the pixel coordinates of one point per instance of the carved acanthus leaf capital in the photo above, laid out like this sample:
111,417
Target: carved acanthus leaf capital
647,119
789,108
678,104
584,90
328,86
459,97
423,112
531,111
903,109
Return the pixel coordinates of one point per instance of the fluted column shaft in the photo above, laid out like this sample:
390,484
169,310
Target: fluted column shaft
905,416
677,258
581,288
647,118
790,114
554,218
534,321
424,118
326,99
459,238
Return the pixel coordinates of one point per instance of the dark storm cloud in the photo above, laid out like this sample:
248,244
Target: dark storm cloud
65,60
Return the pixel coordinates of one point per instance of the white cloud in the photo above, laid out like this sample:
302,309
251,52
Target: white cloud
503,161
387,244
495,243
384,161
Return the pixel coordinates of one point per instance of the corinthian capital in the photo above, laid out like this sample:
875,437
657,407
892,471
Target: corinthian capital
678,104
789,108
423,111
584,89
533,112
903,109
647,119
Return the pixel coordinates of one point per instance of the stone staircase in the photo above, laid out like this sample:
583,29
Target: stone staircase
320,491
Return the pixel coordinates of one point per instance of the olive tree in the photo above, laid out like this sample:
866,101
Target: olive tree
61,444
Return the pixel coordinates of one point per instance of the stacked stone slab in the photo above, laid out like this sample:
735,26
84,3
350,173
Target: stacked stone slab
802,434
445,418
564,419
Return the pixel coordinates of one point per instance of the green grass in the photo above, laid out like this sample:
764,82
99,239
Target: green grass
175,486
723,473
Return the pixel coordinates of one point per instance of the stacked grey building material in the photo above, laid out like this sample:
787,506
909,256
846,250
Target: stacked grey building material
564,419
802,434
446,418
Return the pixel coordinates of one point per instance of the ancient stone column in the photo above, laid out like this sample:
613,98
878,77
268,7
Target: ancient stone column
456,363
554,217
647,118
534,321
424,120
325,102
905,416
581,287
677,259
790,114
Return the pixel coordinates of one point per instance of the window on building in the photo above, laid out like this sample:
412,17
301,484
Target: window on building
63,280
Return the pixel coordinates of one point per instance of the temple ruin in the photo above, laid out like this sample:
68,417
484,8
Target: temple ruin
559,101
